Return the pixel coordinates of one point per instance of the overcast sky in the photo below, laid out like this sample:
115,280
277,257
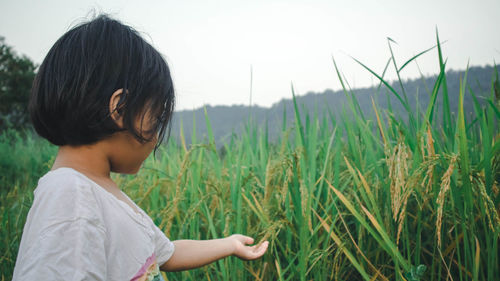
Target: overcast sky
212,45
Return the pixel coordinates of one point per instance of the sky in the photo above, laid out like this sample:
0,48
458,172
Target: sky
220,51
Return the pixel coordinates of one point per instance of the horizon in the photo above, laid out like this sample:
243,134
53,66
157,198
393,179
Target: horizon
325,90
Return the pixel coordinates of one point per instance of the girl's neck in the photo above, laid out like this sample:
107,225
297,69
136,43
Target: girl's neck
90,160
94,162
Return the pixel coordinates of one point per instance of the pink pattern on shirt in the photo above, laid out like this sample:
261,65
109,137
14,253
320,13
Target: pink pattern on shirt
144,268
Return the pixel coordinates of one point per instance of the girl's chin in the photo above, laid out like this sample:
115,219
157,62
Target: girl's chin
127,170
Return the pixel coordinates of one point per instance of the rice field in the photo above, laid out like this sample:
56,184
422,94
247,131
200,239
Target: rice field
355,197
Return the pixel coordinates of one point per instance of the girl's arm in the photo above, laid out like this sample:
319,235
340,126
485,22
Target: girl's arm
190,254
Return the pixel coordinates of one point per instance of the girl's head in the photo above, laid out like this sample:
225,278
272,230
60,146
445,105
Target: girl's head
71,100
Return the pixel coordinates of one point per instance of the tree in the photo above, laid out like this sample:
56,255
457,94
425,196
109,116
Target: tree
16,76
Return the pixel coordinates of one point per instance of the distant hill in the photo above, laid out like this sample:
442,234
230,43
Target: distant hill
226,120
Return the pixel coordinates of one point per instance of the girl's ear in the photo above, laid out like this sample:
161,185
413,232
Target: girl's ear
115,106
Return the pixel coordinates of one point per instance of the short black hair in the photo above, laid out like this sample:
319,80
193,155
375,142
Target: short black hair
69,102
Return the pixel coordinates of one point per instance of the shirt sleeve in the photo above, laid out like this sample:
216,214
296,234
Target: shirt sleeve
68,250
164,248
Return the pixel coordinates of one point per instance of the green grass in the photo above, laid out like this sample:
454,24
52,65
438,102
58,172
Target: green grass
372,197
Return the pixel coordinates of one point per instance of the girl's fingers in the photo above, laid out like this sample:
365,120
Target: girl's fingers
250,252
257,252
262,249
264,245
244,239
248,240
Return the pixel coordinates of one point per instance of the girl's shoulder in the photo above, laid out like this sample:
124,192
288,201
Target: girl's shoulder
65,178
64,195
64,182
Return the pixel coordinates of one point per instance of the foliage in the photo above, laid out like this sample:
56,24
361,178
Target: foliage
339,198
16,76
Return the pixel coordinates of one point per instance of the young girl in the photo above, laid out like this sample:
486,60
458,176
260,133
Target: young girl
105,97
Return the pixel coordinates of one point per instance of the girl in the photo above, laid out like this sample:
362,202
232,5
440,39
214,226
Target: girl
105,97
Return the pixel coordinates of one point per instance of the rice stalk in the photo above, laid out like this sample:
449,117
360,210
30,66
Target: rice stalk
445,186
398,176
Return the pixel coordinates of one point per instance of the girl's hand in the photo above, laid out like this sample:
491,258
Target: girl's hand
244,252
190,254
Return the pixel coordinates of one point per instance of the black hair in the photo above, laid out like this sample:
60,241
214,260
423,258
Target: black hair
69,102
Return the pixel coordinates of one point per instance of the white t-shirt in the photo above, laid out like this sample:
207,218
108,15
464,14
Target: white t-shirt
76,230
